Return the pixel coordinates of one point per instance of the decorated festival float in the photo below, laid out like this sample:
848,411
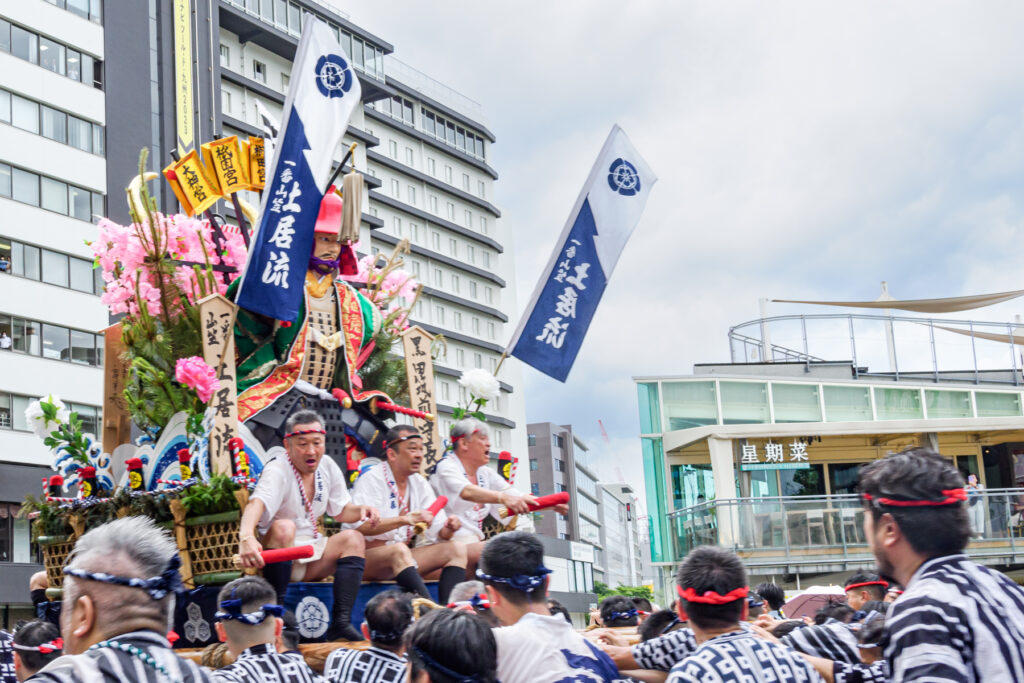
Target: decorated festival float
197,389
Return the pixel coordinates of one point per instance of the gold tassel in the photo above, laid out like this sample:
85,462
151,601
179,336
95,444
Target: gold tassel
352,211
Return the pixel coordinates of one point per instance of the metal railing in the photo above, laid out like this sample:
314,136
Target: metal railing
808,530
431,87
886,346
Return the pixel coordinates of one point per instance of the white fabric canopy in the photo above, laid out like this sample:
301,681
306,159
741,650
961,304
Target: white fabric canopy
1018,334
947,305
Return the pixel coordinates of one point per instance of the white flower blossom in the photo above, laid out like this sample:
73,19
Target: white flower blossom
37,418
480,383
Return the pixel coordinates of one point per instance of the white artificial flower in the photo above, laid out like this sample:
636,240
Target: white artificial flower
480,383
37,419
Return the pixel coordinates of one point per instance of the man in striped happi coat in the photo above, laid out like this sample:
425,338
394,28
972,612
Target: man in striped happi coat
387,617
119,591
249,621
712,587
956,621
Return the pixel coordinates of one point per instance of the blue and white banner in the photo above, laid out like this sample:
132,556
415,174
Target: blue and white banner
323,94
556,320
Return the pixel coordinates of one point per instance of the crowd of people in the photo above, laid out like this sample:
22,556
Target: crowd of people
927,613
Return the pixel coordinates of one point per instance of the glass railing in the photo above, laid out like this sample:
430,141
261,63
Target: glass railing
829,529
900,346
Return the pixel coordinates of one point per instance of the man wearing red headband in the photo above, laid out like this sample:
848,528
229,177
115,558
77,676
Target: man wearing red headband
712,588
293,493
863,587
410,541
957,620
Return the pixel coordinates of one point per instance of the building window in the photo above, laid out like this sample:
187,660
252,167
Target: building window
433,204
535,490
481,189
483,224
455,283
225,56
448,174
24,186
393,149
285,82
53,341
435,241
471,254
50,55
465,182
493,363
438,278
415,267
475,325
35,263
559,465
557,441
499,437
445,391
259,71
453,247
531,440
432,166
410,193
225,101
457,320
486,259
410,157
467,218
491,331
414,232
451,211
396,223
489,294
55,125
534,465
396,189
460,358
478,360
559,488
439,315
472,289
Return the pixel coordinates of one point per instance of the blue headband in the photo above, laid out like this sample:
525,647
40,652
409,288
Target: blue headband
157,587
521,582
232,610
431,663
629,614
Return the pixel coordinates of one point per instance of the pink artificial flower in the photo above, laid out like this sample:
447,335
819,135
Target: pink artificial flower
194,373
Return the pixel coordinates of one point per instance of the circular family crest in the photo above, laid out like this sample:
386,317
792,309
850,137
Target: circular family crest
312,617
333,76
623,178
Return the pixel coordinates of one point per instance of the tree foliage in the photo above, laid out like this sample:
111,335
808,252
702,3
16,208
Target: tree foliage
603,591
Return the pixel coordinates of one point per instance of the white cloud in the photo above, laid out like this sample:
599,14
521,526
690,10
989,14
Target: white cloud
804,150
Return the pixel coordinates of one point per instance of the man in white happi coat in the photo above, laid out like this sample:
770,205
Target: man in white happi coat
475,490
292,494
409,542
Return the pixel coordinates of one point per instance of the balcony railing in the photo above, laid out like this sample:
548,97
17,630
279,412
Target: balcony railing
827,532
886,346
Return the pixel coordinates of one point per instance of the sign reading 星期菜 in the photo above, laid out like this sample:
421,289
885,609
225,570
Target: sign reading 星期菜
777,456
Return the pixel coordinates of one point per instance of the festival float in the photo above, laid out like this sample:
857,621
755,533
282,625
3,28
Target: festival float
196,386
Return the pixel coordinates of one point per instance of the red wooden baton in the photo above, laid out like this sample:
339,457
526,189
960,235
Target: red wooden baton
285,554
436,506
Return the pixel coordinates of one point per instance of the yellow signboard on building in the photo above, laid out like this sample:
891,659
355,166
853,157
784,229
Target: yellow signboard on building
183,75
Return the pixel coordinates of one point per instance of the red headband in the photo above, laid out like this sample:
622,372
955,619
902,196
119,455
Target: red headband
300,432
711,597
455,439
953,496
54,645
883,584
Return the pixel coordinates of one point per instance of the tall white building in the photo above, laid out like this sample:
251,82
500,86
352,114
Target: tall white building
425,150
52,185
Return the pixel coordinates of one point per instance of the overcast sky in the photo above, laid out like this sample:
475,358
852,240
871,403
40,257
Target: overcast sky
804,150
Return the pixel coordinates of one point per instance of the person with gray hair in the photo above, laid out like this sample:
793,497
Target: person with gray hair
293,493
119,590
